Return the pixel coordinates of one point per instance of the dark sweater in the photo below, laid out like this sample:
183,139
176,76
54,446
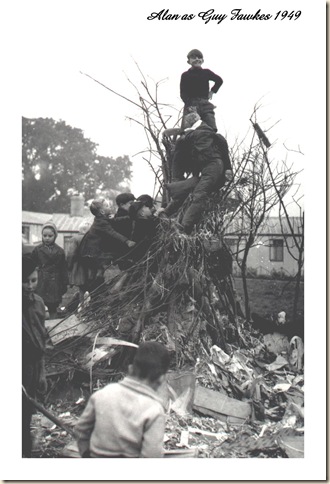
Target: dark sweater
122,223
33,324
34,338
204,146
144,233
101,238
195,83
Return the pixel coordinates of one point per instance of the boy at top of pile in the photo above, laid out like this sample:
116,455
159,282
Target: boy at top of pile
53,273
195,91
127,419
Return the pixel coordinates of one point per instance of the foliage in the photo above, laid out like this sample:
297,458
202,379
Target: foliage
58,160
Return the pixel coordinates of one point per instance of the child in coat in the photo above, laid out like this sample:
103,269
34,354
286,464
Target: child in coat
127,419
195,91
53,273
145,224
101,244
34,338
76,273
124,201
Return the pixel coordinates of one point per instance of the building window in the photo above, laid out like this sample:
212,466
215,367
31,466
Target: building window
276,250
26,234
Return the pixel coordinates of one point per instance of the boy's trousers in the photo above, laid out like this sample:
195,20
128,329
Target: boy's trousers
211,177
204,108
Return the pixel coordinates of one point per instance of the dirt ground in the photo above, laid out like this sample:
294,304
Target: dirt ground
270,296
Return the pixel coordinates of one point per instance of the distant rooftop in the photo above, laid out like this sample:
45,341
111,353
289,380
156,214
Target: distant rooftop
63,221
272,226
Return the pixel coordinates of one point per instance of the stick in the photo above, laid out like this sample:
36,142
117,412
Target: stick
49,415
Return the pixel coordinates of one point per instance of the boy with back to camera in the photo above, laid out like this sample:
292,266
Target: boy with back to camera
127,419
195,91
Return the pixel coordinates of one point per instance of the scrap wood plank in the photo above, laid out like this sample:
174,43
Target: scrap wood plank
292,445
218,403
224,418
71,451
181,453
107,340
60,330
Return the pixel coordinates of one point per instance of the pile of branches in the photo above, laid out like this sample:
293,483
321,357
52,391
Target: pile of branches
180,293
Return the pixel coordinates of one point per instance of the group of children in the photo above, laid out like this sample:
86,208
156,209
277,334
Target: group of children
124,419
122,239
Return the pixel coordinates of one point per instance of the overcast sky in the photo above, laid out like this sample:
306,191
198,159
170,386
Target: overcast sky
271,61
44,46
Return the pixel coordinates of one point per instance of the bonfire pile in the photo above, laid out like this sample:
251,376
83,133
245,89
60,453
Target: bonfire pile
230,392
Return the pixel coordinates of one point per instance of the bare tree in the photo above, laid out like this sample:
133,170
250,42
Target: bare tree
292,228
153,117
260,186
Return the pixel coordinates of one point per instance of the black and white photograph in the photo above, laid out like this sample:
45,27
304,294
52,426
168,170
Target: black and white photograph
166,163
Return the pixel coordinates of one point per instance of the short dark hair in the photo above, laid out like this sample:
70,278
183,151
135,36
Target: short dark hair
123,198
194,53
29,265
146,200
151,360
96,206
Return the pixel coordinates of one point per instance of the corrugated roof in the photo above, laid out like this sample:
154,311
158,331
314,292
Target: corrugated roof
63,221
276,226
35,218
66,223
272,226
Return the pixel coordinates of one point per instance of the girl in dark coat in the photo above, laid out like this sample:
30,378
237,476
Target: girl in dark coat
53,273
34,337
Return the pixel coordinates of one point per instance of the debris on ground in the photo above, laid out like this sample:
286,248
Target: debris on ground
249,403
232,390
